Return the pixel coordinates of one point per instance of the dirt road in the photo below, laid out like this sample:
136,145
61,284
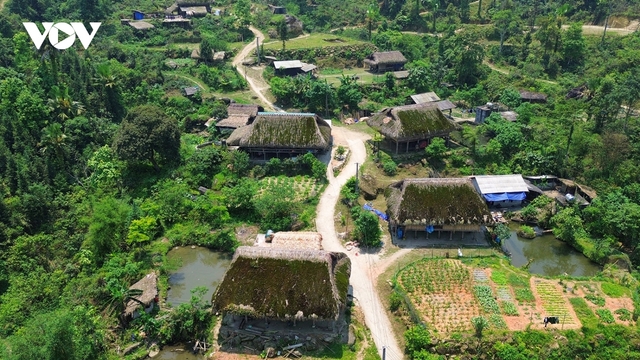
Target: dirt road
237,62
364,271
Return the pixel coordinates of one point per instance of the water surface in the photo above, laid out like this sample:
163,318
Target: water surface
551,257
199,267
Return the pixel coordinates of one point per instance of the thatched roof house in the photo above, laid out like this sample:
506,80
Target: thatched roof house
239,115
281,284
445,204
412,125
385,61
282,134
149,287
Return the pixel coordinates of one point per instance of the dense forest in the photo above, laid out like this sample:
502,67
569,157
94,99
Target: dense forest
100,174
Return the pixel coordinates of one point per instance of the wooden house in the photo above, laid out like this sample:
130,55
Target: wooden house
147,299
411,127
238,115
282,135
284,285
385,61
532,97
429,205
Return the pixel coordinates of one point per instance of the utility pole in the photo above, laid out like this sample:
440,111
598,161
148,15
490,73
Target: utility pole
258,49
326,99
384,352
357,190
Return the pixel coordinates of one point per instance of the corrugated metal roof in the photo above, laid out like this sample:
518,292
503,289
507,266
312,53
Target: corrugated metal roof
401,74
308,67
285,113
425,97
445,105
498,184
288,64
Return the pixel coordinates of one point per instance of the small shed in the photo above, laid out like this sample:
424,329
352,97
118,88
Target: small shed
190,91
483,112
140,25
138,15
501,190
445,105
277,9
293,67
173,20
148,298
385,61
193,11
400,75
532,97
424,98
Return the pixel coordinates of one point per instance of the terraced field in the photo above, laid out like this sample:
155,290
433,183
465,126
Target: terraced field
555,303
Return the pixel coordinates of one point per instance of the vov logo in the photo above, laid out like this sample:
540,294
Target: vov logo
70,29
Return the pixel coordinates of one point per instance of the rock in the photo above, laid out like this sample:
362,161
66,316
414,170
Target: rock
193,246
271,352
294,25
153,353
351,339
369,186
328,339
129,349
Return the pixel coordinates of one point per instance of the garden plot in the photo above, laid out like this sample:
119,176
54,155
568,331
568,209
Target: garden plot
608,309
552,302
305,187
441,290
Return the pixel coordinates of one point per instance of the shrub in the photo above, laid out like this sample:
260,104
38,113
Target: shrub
368,229
623,314
417,338
395,301
526,232
605,316
341,150
390,167
595,299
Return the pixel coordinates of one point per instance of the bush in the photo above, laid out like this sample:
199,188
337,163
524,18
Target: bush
417,338
605,316
595,299
390,167
396,301
368,229
623,314
526,232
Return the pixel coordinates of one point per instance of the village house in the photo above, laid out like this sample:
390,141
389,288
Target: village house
282,289
190,91
501,190
215,55
431,97
420,207
238,115
293,68
147,299
193,11
282,135
411,127
385,61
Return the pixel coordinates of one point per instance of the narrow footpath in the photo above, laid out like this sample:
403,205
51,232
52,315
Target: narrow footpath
363,269
237,62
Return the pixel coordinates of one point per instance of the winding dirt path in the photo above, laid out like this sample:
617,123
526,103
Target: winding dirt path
237,62
363,269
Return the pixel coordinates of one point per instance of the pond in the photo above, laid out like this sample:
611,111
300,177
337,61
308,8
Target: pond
178,353
199,267
551,257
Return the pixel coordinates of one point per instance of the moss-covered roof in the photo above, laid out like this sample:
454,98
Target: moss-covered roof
282,283
284,130
412,122
437,201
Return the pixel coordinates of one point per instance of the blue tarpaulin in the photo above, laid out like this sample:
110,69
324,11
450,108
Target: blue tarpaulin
382,215
429,229
505,196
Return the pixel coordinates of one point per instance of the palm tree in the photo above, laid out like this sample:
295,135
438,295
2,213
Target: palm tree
62,104
119,297
53,139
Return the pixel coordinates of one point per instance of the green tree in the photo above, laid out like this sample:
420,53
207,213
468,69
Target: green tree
277,206
504,22
373,15
107,227
417,338
436,149
573,47
283,31
511,98
349,92
465,11
368,229
147,133
419,79
479,324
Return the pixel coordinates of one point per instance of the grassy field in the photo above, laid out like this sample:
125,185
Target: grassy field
364,77
311,41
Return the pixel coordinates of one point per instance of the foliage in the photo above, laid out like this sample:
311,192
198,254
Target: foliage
623,314
368,229
598,300
526,232
436,149
614,290
390,167
498,277
502,231
605,316
508,308
145,132
417,338
395,301
524,295
487,299
479,324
